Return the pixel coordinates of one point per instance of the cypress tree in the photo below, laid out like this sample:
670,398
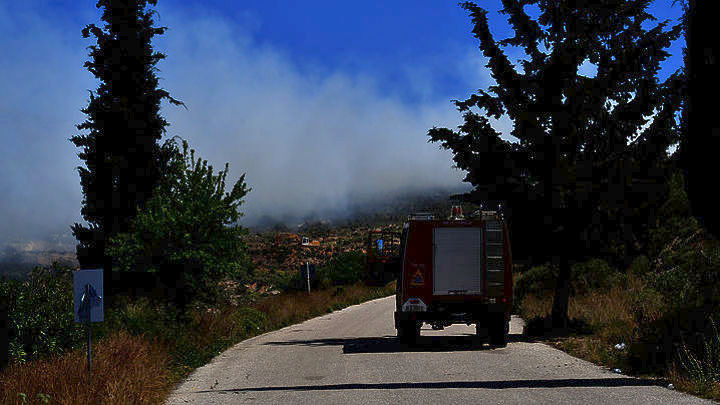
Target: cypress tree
123,161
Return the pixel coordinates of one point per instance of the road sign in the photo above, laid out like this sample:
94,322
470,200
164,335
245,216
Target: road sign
88,289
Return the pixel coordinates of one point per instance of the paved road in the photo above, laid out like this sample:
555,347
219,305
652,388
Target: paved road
352,357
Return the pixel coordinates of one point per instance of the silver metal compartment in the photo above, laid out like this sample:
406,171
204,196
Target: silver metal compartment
457,261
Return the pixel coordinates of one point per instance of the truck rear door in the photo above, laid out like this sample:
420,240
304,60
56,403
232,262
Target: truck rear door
457,260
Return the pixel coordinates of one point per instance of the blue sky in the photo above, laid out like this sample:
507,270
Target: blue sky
319,102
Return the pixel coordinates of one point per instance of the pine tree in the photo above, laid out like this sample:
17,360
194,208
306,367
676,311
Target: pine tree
579,160
122,157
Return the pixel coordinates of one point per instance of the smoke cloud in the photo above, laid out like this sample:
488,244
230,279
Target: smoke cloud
309,139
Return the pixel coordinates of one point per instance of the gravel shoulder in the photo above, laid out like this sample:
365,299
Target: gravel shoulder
352,356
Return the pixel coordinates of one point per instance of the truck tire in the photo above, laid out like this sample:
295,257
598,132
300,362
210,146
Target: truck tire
499,333
408,331
481,334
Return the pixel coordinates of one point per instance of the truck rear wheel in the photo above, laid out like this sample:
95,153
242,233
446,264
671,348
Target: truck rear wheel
499,333
408,331
481,333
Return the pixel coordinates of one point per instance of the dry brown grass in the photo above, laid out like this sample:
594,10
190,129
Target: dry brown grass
611,313
533,306
126,369
286,309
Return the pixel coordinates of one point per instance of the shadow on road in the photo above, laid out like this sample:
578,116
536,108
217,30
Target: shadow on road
566,382
390,344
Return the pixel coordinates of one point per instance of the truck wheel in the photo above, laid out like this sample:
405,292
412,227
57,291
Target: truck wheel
481,333
498,334
408,331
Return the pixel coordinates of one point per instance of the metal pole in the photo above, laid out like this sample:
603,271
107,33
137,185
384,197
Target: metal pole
307,273
89,333
87,314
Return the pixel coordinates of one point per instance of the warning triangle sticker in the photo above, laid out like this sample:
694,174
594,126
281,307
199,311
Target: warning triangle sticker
417,279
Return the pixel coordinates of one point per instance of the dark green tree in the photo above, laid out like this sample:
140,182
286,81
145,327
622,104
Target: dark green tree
584,164
120,151
701,137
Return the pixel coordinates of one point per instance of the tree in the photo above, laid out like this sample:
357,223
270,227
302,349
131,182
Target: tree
701,138
188,229
581,157
121,153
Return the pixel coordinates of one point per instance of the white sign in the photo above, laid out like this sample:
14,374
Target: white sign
88,289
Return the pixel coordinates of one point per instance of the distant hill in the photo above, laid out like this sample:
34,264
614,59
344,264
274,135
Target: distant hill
17,259
382,210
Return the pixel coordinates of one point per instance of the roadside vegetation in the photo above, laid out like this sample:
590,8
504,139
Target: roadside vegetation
156,347
656,318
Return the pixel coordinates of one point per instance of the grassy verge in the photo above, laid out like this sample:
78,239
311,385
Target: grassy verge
142,353
605,319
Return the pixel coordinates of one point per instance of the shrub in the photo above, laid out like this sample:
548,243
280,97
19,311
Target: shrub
345,268
594,274
585,277
188,228
41,313
689,277
538,281
640,266
683,292
703,370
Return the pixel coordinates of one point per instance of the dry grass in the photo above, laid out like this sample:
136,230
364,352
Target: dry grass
685,384
126,369
611,315
287,309
130,369
533,306
592,349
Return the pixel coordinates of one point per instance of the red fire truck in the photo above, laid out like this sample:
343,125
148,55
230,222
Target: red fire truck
455,271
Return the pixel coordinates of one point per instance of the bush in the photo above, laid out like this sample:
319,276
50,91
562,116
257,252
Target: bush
343,269
540,281
41,314
594,274
682,294
188,228
690,277
640,266
703,370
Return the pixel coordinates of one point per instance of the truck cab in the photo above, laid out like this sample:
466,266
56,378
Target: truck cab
455,271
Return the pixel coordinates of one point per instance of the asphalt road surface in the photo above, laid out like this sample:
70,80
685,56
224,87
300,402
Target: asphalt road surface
353,357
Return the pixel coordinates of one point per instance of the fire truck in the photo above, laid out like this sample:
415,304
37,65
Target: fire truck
454,271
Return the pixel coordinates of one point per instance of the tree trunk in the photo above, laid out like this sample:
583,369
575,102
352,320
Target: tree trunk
562,296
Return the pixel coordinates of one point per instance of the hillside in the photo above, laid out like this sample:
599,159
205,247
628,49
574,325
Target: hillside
273,243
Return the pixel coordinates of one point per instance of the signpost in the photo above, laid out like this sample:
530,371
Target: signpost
307,271
88,291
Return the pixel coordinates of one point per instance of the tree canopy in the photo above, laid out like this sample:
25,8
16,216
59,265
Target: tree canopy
590,153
